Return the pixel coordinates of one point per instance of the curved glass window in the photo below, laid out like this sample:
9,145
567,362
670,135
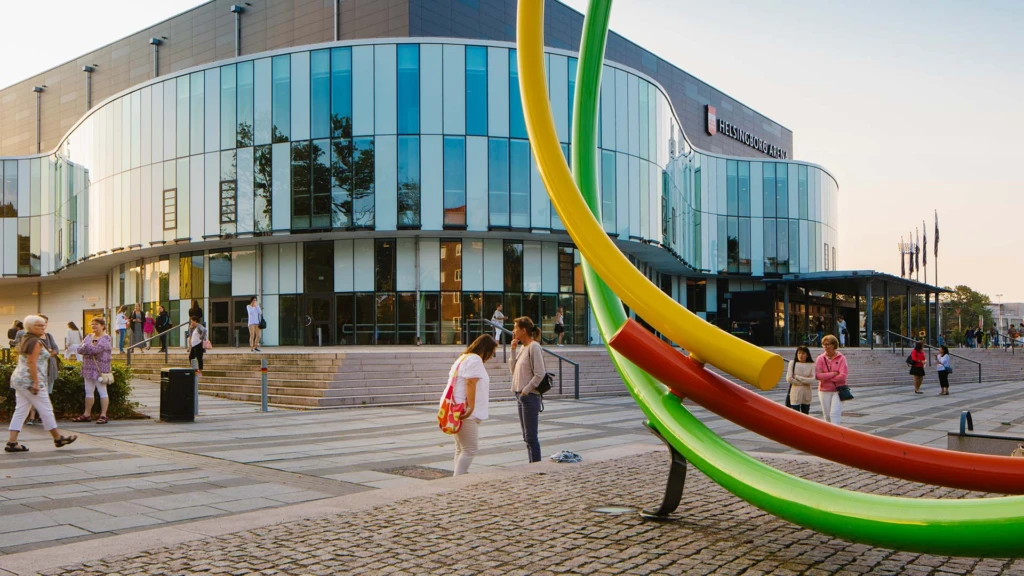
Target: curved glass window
282,96
320,93
476,90
408,88
408,181
454,181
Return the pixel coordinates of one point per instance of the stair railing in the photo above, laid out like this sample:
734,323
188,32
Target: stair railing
930,347
575,365
1006,342
167,349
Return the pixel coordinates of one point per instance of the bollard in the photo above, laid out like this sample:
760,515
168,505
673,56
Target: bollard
263,391
319,336
195,377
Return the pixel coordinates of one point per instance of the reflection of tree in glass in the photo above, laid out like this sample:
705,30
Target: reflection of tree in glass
262,189
341,182
300,184
244,135
321,183
409,203
341,126
362,180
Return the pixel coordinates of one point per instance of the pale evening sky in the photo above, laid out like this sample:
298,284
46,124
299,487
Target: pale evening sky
913,106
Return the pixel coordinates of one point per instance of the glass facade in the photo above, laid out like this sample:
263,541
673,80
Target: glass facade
305,142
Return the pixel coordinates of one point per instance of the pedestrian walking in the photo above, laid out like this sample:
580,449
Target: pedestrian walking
196,340
163,324
527,366
12,332
943,370
830,370
843,332
121,325
472,387
138,318
819,327
498,318
801,377
148,327
916,361
96,350
28,381
53,366
255,315
72,339
560,324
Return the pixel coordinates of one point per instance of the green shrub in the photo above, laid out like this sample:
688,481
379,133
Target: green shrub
68,397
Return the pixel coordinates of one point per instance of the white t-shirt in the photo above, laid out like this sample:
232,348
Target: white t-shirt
473,367
120,322
254,314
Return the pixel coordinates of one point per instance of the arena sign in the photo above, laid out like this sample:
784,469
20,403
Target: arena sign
717,125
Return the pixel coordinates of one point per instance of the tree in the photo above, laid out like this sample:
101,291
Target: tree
961,309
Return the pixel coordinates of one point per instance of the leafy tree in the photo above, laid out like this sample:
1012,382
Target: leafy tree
962,308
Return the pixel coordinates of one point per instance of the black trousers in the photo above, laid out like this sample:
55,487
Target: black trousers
943,379
197,354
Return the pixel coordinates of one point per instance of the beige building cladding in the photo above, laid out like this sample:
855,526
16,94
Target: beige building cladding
201,35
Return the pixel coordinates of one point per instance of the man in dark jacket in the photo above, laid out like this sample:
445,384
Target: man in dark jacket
163,324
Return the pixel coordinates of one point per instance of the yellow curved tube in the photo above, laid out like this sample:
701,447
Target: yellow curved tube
747,362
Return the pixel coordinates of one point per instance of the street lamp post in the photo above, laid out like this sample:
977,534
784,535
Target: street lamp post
999,312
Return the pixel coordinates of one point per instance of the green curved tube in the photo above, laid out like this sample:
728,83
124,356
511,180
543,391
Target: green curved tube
988,527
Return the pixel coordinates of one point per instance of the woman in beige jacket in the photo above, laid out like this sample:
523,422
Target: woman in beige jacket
801,377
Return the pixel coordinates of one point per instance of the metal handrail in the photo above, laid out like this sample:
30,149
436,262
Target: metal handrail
167,350
1010,343
930,347
575,365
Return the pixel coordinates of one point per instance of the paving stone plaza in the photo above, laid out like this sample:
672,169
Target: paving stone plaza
369,491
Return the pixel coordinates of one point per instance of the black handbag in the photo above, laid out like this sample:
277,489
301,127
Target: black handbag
844,392
545,384
910,360
263,323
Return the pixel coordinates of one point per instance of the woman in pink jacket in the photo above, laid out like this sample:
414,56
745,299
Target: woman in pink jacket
830,371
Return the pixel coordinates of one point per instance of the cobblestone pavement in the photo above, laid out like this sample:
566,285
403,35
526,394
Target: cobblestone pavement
545,523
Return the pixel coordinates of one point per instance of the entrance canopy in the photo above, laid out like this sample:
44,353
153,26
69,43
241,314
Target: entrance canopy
853,282
866,284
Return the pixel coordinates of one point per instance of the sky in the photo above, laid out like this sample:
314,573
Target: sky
914,106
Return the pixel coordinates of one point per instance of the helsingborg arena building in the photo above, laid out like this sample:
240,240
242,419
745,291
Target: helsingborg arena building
363,167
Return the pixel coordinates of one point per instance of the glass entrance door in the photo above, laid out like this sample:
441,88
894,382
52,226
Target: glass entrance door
220,322
318,319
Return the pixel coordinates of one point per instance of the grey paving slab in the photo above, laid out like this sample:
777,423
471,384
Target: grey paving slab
111,524
28,536
121,509
188,513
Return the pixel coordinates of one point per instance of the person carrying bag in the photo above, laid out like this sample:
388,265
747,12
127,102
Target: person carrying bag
526,381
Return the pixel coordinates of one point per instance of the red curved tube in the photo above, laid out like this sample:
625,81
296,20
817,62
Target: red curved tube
689,379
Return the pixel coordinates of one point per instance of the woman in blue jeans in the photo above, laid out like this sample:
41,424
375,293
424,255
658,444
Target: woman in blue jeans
528,370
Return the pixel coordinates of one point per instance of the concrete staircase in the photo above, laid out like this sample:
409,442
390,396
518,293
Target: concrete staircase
337,377
373,376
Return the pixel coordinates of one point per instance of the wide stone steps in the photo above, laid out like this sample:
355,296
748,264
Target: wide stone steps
381,376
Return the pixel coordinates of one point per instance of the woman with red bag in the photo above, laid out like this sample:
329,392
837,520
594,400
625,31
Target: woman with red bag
471,384
917,360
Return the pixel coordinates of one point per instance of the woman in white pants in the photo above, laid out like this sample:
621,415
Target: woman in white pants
830,370
29,383
471,385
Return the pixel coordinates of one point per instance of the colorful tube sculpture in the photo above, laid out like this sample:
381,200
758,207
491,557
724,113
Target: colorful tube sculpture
689,379
969,527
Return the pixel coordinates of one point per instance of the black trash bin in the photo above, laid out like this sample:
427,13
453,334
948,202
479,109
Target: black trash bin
177,395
